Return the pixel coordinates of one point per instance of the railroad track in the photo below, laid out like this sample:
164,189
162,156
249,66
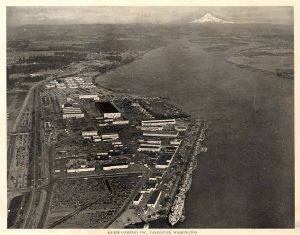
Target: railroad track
36,134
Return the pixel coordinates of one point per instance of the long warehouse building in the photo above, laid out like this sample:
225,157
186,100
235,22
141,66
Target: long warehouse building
162,122
72,112
117,166
149,148
161,134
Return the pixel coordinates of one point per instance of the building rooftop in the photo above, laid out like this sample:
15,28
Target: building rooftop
106,107
163,160
137,197
115,164
158,120
68,105
150,184
171,148
156,174
153,198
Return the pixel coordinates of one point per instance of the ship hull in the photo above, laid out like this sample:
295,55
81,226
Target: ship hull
178,208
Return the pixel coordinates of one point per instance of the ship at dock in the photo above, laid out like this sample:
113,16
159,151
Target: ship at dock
177,209
186,184
187,179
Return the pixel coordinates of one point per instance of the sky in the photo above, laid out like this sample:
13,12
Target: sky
158,15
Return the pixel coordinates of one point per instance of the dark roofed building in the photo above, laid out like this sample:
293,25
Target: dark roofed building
68,105
138,198
163,161
108,109
154,199
171,149
149,186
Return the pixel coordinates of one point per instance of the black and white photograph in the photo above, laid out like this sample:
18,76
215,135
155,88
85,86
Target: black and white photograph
150,117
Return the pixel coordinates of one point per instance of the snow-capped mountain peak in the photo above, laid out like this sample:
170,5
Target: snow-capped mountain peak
209,18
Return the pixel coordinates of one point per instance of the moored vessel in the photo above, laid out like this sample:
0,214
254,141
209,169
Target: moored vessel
178,208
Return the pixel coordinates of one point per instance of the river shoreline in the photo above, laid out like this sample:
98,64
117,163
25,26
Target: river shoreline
239,142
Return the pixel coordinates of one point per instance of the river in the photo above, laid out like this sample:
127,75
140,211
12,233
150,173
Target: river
246,179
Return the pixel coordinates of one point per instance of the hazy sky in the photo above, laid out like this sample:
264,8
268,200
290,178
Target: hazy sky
161,15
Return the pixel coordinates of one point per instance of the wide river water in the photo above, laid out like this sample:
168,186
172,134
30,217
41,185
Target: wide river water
246,179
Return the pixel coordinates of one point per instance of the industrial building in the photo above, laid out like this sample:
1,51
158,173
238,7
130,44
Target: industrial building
72,112
138,198
110,136
150,141
97,138
61,86
88,134
171,134
164,160
181,128
108,110
67,105
77,82
159,122
171,149
154,199
88,96
156,176
112,122
120,122
149,186
151,128
102,154
49,86
175,142
149,148
83,169
116,166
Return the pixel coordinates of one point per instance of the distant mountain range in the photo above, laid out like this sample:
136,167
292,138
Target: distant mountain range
210,19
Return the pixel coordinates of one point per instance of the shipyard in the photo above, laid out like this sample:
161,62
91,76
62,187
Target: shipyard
177,118
133,149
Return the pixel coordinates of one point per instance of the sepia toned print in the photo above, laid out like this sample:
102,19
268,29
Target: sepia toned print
150,117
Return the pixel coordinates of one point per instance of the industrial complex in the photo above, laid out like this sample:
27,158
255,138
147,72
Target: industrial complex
136,150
